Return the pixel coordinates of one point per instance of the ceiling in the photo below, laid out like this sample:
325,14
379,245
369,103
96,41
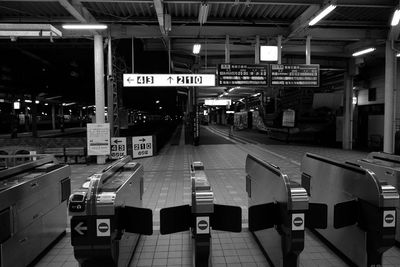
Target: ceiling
354,24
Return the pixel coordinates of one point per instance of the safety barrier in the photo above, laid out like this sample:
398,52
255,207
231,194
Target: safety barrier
279,211
200,217
107,215
361,208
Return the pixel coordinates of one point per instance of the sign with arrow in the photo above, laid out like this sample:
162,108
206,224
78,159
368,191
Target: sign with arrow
79,228
142,146
169,80
118,147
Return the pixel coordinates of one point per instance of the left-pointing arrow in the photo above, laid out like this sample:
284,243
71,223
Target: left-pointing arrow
130,79
79,228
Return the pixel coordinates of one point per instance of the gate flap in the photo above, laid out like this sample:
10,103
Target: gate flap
317,216
227,218
137,220
345,214
262,216
175,219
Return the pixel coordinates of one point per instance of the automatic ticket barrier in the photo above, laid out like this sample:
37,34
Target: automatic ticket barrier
279,211
107,215
361,208
387,168
200,217
33,208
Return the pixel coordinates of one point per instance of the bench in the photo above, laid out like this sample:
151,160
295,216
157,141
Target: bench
58,153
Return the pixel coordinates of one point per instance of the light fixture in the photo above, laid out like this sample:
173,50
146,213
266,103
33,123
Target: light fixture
28,30
196,48
226,93
268,53
27,101
398,55
84,26
256,94
364,51
354,100
203,13
396,18
37,101
322,14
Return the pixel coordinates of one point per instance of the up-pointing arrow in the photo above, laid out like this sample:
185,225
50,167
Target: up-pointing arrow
79,228
170,79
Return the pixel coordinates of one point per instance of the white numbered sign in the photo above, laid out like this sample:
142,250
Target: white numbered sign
142,146
118,147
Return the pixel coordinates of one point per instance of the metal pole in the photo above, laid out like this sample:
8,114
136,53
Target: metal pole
388,135
99,84
133,54
169,55
227,50
110,89
257,50
308,50
53,117
279,49
348,113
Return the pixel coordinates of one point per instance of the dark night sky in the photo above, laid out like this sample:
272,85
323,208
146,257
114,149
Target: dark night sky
65,68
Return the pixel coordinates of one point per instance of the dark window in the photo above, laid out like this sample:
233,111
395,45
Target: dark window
372,94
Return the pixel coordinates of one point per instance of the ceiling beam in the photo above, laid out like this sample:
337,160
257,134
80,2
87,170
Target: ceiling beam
301,23
78,11
159,6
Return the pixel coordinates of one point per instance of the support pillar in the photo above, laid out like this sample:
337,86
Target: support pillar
53,116
308,50
348,112
279,45
34,117
388,136
110,89
227,50
99,84
257,50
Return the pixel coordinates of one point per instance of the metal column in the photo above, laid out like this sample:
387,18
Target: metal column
227,50
257,50
110,89
388,135
348,112
99,84
53,117
308,50
279,45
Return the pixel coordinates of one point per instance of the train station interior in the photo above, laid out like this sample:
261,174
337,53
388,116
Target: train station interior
199,133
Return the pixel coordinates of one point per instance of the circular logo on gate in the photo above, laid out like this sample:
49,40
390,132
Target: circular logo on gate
202,225
103,227
389,218
298,221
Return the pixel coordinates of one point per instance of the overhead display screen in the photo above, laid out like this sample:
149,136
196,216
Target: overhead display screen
294,75
242,75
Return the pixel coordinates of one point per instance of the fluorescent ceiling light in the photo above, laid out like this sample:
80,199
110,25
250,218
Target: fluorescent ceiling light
28,101
230,90
203,13
268,53
396,17
84,26
398,55
321,15
362,52
29,30
196,48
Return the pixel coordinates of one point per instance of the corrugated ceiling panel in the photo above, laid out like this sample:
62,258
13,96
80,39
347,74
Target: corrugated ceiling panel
120,10
33,10
360,13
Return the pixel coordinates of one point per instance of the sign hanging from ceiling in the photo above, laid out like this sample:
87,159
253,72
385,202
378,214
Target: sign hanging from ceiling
168,80
294,75
242,75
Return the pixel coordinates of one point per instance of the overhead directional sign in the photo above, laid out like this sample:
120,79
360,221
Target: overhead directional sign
169,80
294,75
242,75
142,146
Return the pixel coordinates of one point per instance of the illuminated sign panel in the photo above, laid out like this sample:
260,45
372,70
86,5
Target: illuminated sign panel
168,80
217,102
242,75
294,75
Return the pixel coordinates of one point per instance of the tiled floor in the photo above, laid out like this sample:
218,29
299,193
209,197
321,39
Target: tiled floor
167,183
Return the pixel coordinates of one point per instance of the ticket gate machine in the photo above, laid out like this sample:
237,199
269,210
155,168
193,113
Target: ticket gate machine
107,215
200,217
387,168
279,210
361,208
33,208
